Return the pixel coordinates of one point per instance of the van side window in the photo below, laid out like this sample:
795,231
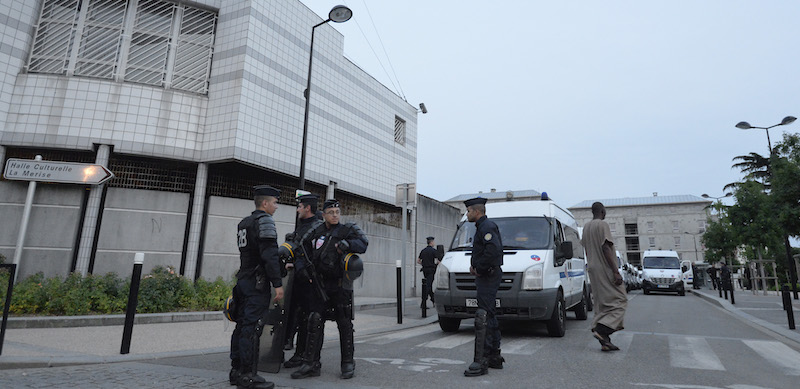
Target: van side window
572,236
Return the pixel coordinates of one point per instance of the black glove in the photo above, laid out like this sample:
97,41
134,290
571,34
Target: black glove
290,237
343,245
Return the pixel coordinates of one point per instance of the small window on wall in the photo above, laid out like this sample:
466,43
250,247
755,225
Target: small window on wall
701,226
677,242
649,226
399,130
652,242
676,226
613,227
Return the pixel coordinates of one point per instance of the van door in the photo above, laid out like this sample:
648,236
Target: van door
577,266
563,269
687,273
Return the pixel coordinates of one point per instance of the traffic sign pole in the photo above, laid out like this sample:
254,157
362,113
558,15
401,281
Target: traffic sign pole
23,225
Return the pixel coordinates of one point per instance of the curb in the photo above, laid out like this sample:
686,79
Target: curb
773,329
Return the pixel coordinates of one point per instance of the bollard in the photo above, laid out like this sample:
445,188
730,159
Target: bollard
730,287
719,287
399,293
424,305
787,304
12,270
133,299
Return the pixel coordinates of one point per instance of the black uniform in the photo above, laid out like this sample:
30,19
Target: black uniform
487,257
712,272
258,252
302,292
322,247
725,277
428,257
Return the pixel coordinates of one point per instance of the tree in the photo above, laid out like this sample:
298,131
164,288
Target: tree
720,241
755,168
752,218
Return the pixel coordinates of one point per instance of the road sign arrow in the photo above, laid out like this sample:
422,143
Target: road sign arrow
54,171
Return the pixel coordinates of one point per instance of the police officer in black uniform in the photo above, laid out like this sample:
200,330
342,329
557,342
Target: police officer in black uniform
257,239
487,257
328,245
427,258
301,288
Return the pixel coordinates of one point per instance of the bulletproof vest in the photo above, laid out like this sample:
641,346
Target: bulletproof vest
248,239
326,258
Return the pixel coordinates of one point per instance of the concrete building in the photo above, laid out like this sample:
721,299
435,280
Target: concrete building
190,104
652,223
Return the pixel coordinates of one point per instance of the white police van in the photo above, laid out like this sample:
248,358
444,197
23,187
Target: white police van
544,268
661,272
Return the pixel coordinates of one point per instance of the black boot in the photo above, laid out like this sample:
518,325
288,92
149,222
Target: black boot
311,366
347,349
495,360
234,374
302,337
479,366
253,381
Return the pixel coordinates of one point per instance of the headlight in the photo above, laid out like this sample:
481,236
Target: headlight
441,280
533,278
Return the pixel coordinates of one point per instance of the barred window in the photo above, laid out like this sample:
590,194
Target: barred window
155,42
399,130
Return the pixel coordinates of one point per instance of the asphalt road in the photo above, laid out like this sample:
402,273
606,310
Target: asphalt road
669,342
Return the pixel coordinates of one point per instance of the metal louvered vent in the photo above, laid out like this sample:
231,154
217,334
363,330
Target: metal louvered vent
399,130
155,42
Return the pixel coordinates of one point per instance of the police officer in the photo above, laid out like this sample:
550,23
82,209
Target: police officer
328,245
301,288
725,277
427,258
487,257
257,239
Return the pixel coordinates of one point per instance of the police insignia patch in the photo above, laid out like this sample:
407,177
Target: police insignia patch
488,236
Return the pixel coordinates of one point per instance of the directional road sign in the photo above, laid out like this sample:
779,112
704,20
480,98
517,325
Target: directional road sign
53,171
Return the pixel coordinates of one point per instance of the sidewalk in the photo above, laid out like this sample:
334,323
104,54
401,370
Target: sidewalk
763,311
98,339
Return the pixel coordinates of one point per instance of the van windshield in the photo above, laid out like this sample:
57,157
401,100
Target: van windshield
661,263
520,233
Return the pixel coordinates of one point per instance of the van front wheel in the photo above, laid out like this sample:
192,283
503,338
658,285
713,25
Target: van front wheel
581,309
449,324
557,326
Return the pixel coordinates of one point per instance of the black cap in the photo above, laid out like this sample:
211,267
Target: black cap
330,203
475,201
266,190
430,238
308,199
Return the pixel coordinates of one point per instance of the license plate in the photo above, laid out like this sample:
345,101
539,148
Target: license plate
474,303
663,286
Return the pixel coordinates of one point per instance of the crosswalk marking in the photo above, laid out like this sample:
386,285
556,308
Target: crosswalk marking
692,353
778,353
521,346
399,335
451,341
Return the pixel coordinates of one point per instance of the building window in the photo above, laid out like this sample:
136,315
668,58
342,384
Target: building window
650,227
634,258
399,130
676,226
632,243
155,42
613,227
652,242
631,229
677,242
701,226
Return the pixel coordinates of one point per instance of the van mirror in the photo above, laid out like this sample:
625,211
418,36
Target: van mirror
564,250
439,251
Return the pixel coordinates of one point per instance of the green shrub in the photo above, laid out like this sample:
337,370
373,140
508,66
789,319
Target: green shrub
28,296
211,295
163,290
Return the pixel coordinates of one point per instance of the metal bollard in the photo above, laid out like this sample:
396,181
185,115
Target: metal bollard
133,299
12,271
787,305
724,285
424,305
730,286
399,292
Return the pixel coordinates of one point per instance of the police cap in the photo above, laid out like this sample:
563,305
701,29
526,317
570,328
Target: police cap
330,203
430,238
308,199
266,190
475,201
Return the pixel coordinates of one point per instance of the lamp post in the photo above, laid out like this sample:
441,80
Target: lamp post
696,255
790,258
718,199
785,121
338,14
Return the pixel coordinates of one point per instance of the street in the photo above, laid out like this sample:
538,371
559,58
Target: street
669,342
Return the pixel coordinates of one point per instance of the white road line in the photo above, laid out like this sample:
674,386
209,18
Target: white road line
778,353
451,341
521,346
692,353
400,335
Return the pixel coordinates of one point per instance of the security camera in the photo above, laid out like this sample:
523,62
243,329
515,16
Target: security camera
422,108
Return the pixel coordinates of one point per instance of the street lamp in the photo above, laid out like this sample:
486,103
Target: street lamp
719,206
785,121
338,14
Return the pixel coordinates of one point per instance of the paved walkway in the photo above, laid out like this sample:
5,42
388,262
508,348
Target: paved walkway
90,339
764,312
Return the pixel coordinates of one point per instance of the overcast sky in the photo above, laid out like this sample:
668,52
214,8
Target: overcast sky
583,99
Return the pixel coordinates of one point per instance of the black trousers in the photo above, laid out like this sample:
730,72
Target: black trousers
487,293
251,305
427,286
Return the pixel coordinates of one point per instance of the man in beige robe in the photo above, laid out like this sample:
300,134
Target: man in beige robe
609,292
